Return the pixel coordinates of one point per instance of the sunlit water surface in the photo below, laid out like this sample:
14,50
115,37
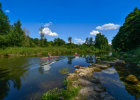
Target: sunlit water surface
27,78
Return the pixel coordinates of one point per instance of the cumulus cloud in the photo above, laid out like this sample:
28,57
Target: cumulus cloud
48,24
7,11
108,26
47,31
79,40
94,32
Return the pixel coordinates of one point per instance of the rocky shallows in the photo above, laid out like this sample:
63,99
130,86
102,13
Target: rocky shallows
82,85
90,87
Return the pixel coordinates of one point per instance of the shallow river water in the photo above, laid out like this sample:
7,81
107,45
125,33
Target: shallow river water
27,78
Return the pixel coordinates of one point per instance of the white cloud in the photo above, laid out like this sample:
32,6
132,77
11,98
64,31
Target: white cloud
79,40
108,26
94,32
47,31
110,43
48,24
7,11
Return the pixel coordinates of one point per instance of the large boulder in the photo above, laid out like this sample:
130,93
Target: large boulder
132,79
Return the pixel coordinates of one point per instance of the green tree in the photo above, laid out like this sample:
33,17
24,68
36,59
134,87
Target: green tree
101,41
59,42
27,38
87,41
17,35
91,41
4,22
70,40
42,37
128,37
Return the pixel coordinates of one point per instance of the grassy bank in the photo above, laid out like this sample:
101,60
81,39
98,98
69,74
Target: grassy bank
38,51
60,94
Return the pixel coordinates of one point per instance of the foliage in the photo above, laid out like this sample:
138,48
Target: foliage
4,22
58,42
130,56
43,51
128,37
70,40
101,41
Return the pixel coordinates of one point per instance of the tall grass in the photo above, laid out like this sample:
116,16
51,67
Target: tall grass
38,51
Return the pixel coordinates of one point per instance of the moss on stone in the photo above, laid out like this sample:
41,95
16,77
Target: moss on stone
132,79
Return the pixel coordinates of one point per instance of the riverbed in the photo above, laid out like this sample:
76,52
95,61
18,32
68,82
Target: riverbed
27,78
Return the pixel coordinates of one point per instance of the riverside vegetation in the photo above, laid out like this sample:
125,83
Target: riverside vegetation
16,41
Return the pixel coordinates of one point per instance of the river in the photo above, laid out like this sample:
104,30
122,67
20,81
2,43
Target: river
27,78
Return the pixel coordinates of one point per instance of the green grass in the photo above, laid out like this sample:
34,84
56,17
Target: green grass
56,94
40,51
68,93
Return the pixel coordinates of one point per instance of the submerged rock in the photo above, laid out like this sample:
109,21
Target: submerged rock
132,79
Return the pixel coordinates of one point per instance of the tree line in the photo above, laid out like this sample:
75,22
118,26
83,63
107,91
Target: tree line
128,37
15,36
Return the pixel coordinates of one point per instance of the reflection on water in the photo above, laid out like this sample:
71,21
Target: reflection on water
110,78
25,78
7,74
124,71
90,59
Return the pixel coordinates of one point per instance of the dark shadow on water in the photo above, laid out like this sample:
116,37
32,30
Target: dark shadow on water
10,72
25,78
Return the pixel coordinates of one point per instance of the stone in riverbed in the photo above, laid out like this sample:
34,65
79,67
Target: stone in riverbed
97,69
101,66
90,87
132,79
78,66
99,88
84,72
85,82
96,81
106,96
88,93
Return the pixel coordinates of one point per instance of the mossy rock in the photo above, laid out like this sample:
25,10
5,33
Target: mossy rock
133,89
97,69
64,70
132,79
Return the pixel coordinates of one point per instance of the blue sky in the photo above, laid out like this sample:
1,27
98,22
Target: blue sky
76,18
